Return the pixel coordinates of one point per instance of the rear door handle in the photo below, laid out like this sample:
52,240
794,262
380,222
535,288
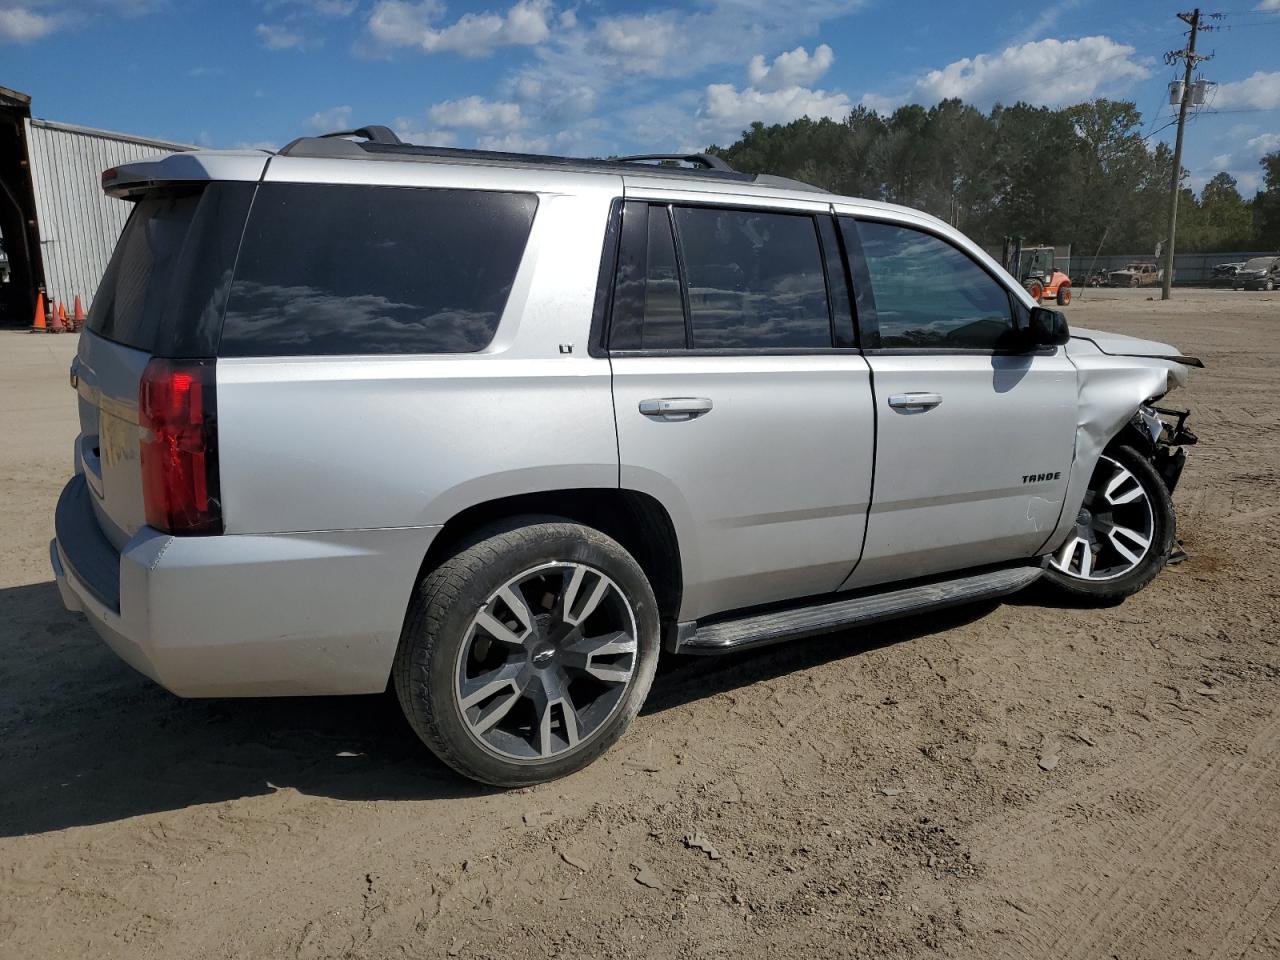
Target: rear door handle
915,401
675,408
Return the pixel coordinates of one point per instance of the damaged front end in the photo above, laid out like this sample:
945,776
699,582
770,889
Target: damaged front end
1120,381
1164,432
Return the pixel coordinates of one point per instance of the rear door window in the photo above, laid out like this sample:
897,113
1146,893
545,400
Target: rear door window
755,279
337,269
725,279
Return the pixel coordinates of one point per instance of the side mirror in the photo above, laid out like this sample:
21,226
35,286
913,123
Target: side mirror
1048,328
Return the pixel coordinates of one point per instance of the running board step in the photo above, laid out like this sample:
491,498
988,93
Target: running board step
792,624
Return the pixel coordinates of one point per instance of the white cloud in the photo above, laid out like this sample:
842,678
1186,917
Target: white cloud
400,23
1267,143
302,8
1268,5
582,60
276,36
650,43
410,131
1242,162
795,68
726,111
31,20
477,113
22,26
326,121
1260,91
1048,72
514,143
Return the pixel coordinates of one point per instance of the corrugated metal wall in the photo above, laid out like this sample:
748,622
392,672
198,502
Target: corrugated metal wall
79,223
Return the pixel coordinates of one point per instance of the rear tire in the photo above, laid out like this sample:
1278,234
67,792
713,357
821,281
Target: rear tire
1064,296
526,654
1123,535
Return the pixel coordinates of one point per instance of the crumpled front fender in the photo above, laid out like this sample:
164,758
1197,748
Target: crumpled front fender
1111,391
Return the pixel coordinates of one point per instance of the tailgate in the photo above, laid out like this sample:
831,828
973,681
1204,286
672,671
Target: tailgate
161,296
107,449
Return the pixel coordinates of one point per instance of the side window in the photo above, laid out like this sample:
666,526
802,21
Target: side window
754,279
931,294
648,309
337,269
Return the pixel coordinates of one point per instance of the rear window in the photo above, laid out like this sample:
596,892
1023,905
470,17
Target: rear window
336,269
166,284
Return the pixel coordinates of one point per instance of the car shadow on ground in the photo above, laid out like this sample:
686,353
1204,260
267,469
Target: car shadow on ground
84,739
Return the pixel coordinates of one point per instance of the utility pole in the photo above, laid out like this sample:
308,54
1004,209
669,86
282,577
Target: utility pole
1190,57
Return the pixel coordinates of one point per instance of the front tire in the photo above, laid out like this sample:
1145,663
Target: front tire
1064,296
527,653
1124,532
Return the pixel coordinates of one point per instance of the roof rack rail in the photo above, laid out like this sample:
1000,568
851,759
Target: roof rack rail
380,142
336,144
707,160
374,133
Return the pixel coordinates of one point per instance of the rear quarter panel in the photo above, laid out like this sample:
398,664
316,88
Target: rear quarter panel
342,443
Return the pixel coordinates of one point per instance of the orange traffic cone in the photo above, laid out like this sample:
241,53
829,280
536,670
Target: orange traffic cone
38,325
59,322
77,318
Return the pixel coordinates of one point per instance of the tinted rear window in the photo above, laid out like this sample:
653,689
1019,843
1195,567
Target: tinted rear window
337,269
166,284
755,279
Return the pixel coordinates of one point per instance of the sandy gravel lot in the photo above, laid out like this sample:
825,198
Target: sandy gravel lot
876,794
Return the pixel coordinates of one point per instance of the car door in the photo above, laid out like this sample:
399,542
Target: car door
741,404
975,433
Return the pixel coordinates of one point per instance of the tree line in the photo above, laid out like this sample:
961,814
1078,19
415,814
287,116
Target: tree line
1084,175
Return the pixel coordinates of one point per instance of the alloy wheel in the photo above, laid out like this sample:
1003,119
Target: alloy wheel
1114,529
546,661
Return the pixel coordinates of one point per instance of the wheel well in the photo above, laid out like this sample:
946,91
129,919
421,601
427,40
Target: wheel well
1130,435
636,520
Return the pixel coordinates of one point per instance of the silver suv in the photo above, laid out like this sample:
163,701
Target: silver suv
498,429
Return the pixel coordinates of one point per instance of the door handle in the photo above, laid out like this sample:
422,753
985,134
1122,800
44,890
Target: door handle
915,401
675,408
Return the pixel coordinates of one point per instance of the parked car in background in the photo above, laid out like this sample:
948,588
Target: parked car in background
1136,275
499,429
1260,273
1224,274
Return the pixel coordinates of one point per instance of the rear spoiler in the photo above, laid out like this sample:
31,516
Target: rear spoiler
130,181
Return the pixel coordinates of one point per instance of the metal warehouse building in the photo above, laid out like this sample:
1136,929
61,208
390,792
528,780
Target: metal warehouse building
58,227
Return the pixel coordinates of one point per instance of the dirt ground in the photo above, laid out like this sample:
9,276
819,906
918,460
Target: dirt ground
879,794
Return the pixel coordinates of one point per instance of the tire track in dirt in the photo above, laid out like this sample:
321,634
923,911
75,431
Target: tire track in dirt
1156,872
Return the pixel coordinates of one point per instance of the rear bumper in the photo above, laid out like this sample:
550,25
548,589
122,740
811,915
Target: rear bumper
246,615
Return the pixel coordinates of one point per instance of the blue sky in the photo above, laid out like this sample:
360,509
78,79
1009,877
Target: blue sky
580,77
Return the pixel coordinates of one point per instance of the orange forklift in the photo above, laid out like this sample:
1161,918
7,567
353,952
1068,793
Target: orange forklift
1034,268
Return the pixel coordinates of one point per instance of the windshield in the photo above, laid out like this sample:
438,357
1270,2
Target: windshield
1259,263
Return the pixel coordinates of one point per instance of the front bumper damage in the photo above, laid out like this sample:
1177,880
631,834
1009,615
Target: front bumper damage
1166,431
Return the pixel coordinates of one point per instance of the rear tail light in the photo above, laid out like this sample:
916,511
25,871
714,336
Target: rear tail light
178,413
